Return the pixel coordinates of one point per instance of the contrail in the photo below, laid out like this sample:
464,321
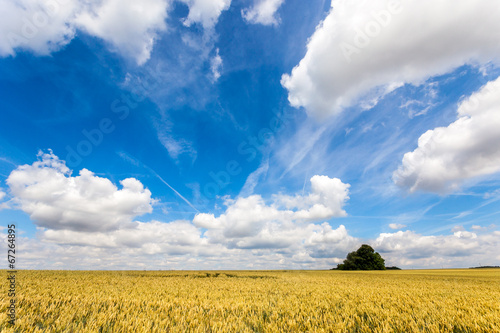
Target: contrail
131,159
173,189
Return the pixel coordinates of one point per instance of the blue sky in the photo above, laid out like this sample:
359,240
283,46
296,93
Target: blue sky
263,134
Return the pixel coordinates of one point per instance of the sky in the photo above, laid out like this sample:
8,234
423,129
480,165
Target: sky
249,134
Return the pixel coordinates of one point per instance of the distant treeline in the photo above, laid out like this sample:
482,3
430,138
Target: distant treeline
387,268
484,267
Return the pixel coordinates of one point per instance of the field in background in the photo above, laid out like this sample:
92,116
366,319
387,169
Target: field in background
255,301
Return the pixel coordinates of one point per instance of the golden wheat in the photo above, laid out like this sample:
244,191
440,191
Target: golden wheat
256,301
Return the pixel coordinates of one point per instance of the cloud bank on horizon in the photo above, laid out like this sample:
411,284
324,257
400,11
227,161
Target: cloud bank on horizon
90,213
391,114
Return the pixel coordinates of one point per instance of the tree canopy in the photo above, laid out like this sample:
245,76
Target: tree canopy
365,258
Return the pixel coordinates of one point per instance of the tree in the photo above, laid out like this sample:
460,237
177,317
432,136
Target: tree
364,259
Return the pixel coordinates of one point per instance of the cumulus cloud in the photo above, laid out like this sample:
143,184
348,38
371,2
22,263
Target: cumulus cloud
56,200
478,228
179,245
323,241
38,26
461,249
45,254
55,252
205,12
320,243
249,216
326,200
91,213
396,226
243,217
364,50
130,27
88,214
263,12
285,223
467,148
149,238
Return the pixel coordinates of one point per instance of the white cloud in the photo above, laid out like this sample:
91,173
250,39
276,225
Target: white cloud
317,241
396,226
249,216
89,215
243,217
478,228
179,245
254,177
176,147
364,50
263,12
325,242
252,224
467,148
44,254
205,12
465,234
215,66
493,194
43,27
54,199
38,26
461,249
148,238
131,27
169,253
326,200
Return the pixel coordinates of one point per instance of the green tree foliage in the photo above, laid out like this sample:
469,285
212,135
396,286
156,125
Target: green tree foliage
364,259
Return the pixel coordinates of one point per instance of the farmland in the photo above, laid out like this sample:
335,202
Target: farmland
256,301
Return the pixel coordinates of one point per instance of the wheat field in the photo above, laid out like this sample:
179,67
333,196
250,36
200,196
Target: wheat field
256,301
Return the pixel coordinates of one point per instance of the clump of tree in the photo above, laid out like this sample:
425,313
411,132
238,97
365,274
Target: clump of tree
364,259
393,268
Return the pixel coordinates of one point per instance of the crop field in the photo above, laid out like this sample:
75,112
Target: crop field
256,301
